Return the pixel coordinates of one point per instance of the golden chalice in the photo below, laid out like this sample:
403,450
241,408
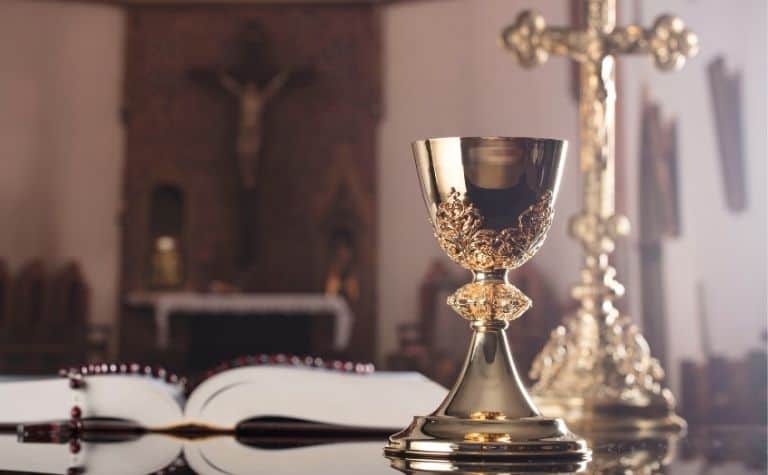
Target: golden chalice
490,201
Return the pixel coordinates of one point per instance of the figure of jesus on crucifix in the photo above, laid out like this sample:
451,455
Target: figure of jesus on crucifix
252,100
253,83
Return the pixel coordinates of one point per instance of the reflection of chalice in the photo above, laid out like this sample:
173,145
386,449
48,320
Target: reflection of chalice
490,201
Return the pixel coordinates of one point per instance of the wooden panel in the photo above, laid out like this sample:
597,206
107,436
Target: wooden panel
180,133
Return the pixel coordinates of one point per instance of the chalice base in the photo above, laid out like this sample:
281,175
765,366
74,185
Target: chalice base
488,416
474,467
531,440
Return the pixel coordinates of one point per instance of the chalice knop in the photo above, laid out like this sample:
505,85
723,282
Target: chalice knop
491,203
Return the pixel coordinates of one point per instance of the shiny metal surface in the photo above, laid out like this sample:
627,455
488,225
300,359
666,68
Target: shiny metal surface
714,450
597,370
633,455
500,176
491,203
429,466
490,200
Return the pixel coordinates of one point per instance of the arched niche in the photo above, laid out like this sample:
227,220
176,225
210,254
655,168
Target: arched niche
166,231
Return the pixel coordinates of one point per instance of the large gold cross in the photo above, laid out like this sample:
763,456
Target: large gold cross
582,357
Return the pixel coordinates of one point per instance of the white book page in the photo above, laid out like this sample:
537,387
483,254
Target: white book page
42,458
35,400
219,455
379,400
147,454
150,402
141,399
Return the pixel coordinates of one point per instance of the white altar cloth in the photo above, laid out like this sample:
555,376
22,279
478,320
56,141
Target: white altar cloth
167,303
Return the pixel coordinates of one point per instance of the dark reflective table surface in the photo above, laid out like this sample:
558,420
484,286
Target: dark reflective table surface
704,450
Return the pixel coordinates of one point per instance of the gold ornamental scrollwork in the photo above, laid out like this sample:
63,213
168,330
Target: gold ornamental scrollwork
489,301
460,233
568,364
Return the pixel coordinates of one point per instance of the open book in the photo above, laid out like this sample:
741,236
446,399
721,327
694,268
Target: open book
344,395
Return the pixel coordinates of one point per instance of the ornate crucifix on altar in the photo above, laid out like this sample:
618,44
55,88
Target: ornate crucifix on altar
597,370
253,85
252,99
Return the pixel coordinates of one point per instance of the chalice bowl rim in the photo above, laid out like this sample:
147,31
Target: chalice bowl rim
489,138
494,247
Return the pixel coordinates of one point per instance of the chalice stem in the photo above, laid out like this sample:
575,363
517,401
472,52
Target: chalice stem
489,386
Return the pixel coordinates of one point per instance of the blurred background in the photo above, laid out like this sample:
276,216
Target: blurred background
183,183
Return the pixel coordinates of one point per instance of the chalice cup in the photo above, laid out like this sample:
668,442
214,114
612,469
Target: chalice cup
491,203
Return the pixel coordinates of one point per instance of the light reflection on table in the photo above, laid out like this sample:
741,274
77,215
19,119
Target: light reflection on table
712,451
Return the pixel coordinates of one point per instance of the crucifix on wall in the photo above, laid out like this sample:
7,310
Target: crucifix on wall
254,85
252,101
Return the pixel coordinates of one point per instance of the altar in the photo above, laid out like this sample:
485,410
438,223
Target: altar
288,305
196,330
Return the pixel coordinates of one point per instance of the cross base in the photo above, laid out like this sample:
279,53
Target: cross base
597,373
